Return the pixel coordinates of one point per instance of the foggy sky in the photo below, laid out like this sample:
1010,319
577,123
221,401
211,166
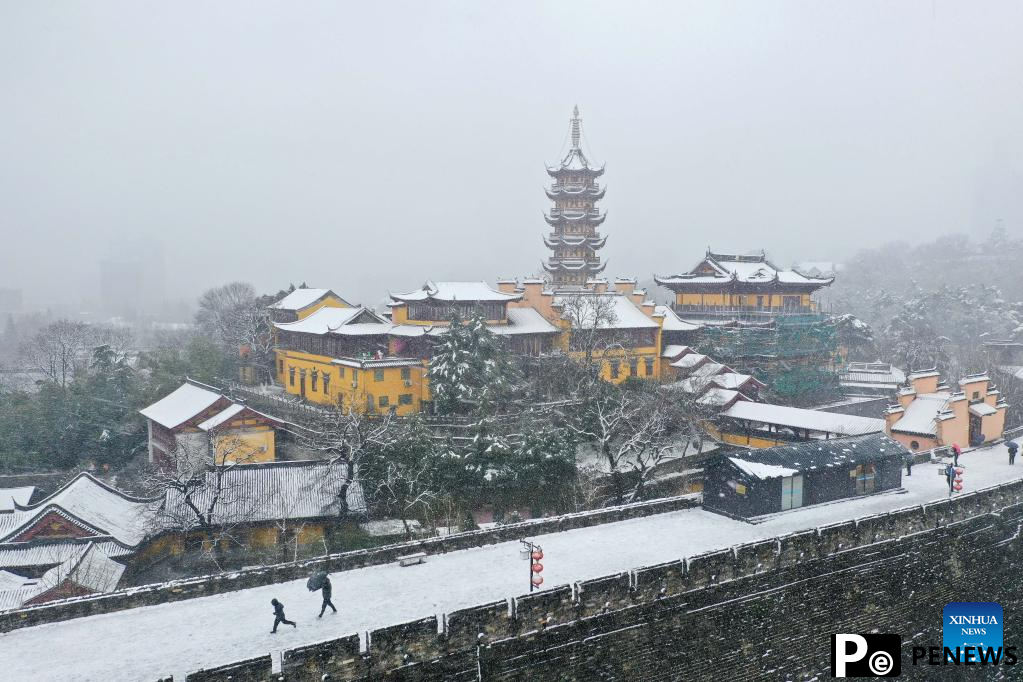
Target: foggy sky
369,146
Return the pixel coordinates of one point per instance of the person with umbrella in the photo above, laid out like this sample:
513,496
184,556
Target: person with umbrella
320,581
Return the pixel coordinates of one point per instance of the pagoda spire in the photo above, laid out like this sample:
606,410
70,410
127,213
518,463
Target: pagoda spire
574,218
576,127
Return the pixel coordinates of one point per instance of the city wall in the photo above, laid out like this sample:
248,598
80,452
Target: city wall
757,611
204,586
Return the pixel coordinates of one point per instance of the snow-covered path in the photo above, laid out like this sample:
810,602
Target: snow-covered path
150,642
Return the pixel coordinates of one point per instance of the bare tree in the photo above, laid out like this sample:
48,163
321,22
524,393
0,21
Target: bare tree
344,438
632,433
201,494
59,350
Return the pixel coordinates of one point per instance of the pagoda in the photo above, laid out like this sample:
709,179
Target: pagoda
574,217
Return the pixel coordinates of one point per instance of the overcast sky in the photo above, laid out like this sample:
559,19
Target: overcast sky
369,146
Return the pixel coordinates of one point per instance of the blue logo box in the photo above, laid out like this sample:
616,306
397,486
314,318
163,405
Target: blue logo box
972,623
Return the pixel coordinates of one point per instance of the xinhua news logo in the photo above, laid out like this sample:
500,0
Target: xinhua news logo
873,655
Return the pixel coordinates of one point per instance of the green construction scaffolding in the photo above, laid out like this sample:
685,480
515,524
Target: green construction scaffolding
796,355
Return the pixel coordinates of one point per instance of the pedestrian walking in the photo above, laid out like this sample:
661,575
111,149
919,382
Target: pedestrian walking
950,476
325,592
909,465
279,616
1013,449
955,454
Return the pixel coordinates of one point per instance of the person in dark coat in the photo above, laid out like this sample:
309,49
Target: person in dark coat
955,454
950,475
1013,449
325,591
279,616
909,465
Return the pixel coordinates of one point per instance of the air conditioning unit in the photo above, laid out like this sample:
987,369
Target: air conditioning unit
355,384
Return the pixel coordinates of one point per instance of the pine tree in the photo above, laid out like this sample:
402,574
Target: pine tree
470,369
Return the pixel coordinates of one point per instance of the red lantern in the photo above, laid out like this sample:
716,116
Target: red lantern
537,555
537,580
957,486
537,568
958,472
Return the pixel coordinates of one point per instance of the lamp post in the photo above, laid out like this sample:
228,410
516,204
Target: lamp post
533,553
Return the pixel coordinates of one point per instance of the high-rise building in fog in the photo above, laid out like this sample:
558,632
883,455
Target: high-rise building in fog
132,279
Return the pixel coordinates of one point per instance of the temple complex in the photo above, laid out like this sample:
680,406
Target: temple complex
574,219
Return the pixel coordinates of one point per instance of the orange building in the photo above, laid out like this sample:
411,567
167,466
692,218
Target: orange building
931,414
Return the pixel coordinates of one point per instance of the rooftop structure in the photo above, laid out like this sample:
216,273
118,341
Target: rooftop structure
931,414
871,378
574,219
302,302
88,570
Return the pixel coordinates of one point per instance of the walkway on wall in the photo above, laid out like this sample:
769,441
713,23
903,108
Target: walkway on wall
151,642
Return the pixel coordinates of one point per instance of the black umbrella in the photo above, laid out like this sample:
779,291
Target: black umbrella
316,581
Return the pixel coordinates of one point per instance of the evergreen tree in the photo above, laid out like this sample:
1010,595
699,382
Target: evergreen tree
470,369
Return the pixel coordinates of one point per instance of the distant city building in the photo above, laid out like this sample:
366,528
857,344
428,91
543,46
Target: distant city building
132,280
574,219
11,300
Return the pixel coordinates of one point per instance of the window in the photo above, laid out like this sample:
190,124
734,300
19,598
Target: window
792,492
326,383
384,401
634,367
865,479
341,372
405,399
316,376
291,376
914,445
378,375
649,362
976,395
406,374
280,366
615,366
355,378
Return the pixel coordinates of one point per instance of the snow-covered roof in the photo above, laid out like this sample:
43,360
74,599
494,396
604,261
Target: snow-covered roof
88,501
733,380
621,314
673,351
872,373
9,497
982,410
301,298
524,321
386,527
689,361
456,291
762,471
718,397
22,555
920,417
87,567
376,363
221,417
335,320
182,404
674,323
253,493
809,456
718,268
797,418
10,580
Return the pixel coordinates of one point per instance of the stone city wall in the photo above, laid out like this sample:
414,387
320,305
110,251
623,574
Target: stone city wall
204,586
763,610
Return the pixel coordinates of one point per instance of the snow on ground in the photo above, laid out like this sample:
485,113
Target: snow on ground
149,642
